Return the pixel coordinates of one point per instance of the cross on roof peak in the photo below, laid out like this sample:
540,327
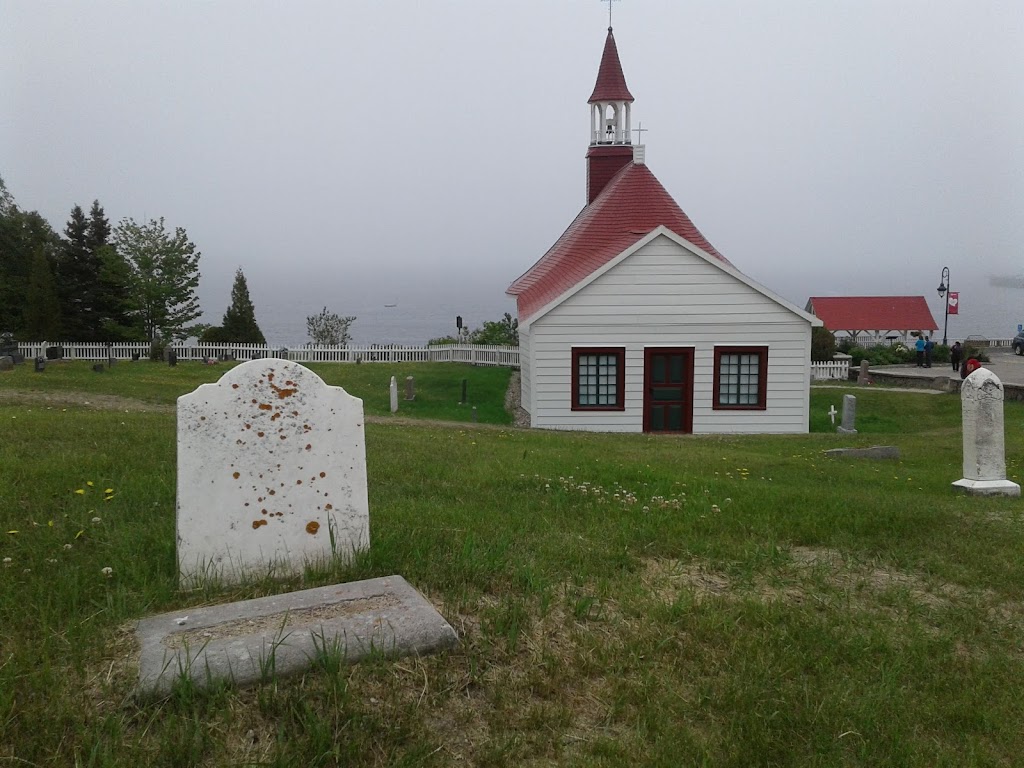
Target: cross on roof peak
609,12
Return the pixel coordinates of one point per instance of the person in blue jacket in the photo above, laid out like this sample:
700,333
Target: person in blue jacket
919,346
929,345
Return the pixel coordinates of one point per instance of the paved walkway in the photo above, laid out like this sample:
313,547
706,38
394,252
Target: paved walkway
1004,364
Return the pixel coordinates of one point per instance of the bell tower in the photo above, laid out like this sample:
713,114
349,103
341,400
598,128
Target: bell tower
610,122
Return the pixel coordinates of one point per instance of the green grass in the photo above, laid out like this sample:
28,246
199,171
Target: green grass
735,601
438,385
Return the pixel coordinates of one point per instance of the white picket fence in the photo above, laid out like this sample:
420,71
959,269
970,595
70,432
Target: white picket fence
477,354
837,368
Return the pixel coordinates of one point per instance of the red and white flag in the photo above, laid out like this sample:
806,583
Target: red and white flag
954,302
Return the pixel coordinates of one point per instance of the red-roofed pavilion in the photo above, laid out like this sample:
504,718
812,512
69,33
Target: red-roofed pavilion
874,319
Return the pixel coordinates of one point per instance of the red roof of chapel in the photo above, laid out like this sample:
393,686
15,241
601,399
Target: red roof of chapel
873,313
628,208
611,83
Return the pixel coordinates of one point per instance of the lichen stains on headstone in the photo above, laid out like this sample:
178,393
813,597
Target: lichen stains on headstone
312,527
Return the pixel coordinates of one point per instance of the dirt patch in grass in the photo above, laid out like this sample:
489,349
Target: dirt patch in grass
821,575
82,399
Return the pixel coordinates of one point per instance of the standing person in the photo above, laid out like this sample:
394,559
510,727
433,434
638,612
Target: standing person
956,354
929,345
919,346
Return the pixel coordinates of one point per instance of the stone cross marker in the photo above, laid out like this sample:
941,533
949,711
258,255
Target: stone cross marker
394,395
832,413
271,474
849,416
981,399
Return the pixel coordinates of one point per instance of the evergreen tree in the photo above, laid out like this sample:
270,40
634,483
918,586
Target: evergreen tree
42,307
164,277
22,233
97,233
78,271
239,323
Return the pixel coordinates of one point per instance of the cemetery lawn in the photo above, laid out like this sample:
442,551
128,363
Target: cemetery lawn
621,600
130,385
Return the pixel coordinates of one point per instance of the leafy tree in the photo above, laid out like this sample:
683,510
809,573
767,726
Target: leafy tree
214,334
239,323
502,332
329,329
117,315
42,307
823,344
164,276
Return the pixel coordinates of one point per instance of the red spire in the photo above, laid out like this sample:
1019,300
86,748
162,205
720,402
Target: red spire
611,83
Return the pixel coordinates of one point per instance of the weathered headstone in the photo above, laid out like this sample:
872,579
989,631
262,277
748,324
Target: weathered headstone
849,416
863,377
172,358
410,388
271,474
393,390
40,364
6,363
135,357
981,399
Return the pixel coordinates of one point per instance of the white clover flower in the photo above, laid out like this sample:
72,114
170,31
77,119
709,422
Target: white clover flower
67,546
108,572
7,562
97,520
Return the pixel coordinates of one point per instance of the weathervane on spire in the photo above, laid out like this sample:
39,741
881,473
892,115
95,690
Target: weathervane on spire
609,11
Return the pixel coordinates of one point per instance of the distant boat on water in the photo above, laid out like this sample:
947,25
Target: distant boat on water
390,305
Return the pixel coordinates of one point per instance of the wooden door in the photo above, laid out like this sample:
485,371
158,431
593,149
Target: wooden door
668,390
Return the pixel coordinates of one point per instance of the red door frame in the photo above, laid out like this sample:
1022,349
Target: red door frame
687,353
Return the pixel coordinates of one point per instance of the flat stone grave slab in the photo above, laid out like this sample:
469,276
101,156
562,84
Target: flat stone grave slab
254,640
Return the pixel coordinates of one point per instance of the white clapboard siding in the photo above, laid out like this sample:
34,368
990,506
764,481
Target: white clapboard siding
524,367
663,295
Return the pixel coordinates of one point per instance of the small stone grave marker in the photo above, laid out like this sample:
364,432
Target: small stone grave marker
172,358
393,391
832,414
981,399
271,474
849,416
863,377
410,388
6,363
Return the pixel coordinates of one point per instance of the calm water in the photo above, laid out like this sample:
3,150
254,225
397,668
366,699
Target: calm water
992,311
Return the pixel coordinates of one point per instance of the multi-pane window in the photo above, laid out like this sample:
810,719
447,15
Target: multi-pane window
741,375
597,379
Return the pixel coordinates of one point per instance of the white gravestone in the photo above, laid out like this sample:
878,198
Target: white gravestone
981,398
849,416
271,474
394,395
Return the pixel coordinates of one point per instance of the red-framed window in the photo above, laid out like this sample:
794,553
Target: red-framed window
741,378
597,378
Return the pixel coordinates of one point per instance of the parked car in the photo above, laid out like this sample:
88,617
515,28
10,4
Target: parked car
1018,344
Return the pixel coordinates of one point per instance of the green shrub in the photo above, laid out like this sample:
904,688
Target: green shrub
823,344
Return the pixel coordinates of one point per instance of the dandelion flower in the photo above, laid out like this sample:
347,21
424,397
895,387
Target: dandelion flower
80,491
90,483
108,490
108,572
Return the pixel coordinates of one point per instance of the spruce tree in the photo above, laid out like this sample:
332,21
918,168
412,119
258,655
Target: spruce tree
78,273
239,323
97,233
42,307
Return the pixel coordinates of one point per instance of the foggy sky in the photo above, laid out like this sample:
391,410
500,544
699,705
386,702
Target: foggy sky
346,152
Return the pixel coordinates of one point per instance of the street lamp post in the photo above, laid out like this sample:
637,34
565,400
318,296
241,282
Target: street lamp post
944,287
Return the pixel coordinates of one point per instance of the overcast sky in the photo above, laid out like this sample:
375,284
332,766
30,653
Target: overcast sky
344,152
